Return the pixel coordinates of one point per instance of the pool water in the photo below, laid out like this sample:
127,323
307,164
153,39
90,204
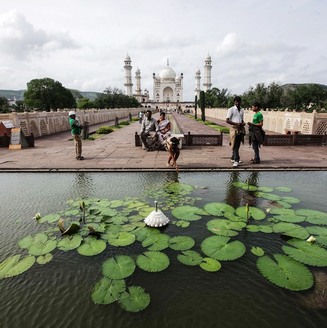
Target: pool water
58,294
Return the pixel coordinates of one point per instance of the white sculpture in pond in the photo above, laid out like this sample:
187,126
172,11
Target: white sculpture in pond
156,218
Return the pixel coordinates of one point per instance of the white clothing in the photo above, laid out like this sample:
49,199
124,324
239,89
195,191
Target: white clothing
235,115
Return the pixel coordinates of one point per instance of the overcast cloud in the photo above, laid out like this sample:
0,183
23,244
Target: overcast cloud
83,43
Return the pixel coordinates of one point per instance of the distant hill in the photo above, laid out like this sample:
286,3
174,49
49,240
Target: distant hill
293,86
19,94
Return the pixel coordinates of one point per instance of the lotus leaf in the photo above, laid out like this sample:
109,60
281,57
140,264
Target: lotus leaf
258,251
292,218
71,212
180,188
44,259
121,239
191,258
285,272
282,211
107,291
188,213
218,248
135,300
317,230
284,204
152,261
143,233
292,230
40,244
156,242
145,211
68,243
306,253
135,204
233,217
268,196
118,267
104,211
13,266
290,200
261,228
210,265
244,186
218,209
313,216
116,203
283,189
181,243
91,246
265,189
254,213
225,227
51,218
182,224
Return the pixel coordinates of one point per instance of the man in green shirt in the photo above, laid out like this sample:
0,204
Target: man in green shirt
256,134
76,129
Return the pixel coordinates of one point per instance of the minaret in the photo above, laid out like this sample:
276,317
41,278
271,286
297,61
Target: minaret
128,75
138,90
197,83
207,74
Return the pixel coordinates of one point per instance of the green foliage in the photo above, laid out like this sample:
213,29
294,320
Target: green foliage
202,105
210,265
135,300
216,98
189,257
181,243
285,272
152,261
4,105
91,246
104,130
13,266
114,98
45,94
118,267
107,291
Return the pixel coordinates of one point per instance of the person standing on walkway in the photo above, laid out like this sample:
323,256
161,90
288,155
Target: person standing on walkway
235,117
76,129
149,127
256,134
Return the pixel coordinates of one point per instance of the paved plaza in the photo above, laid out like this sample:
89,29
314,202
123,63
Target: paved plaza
117,152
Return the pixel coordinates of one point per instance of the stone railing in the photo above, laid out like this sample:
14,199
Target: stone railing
45,123
280,122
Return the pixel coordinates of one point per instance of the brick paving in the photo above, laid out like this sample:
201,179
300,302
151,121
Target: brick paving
117,152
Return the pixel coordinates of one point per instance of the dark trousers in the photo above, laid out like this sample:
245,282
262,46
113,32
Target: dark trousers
255,146
236,148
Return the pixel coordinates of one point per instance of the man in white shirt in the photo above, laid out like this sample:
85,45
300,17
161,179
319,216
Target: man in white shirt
235,117
149,127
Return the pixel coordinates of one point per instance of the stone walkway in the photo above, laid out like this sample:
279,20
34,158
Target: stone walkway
117,152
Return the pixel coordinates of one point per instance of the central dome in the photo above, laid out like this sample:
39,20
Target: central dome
167,74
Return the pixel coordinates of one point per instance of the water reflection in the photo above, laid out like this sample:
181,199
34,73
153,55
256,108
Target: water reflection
83,185
236,196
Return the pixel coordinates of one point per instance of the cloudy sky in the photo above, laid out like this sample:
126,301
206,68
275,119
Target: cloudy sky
83,43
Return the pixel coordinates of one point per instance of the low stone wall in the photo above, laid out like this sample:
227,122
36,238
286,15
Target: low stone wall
45,123
280,122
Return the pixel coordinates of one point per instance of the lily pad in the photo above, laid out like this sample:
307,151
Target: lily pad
13,266
210,265
68,243
107,291
219,248
156,242
268,196
218,209
118,267
181,243
225,227
121,239
258,251
285,272
91,246
313,216
134,300
43,259
290,200
152,261
51,218
189,257
291,218
259,228
181,223
188,213
254,213
291,229
284,189
306,252
38,244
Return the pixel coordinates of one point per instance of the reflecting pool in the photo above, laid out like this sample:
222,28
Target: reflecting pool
60,293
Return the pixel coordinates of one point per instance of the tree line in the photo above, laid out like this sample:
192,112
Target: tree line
47,94
299,97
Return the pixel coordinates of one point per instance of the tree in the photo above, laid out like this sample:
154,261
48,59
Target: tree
46,94
4,108
216,98
202,101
